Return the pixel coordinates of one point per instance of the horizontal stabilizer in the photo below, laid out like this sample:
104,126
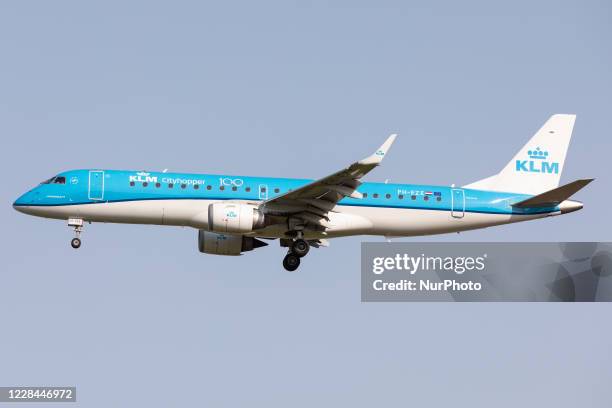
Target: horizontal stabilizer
553,197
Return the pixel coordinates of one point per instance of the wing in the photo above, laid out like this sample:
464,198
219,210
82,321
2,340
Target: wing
312,202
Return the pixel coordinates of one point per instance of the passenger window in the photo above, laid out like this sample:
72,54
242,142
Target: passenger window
426,198
401,197
144,184
439,198
263,189
248,189
413,197
388,195
196,186
375,195
208,187
276,190
221,188
234,188
365,195
157,185
170,185
183,186
132,184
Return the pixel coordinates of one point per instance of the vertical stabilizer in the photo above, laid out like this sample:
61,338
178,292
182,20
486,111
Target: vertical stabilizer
537,167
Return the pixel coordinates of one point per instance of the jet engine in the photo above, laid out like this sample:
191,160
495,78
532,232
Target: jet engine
234,217
222,244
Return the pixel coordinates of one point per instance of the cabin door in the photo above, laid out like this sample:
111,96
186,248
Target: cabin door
457,203
96,185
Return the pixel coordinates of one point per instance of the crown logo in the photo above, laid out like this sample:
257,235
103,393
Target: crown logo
538,154
142,173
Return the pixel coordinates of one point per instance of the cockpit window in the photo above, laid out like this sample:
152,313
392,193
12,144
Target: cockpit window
55,180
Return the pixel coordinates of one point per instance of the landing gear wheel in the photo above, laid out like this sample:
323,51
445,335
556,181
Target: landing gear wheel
75,243
300,247
291,262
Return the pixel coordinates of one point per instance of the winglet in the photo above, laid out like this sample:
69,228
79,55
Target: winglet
377,157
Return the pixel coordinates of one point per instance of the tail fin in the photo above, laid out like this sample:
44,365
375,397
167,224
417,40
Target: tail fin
538,165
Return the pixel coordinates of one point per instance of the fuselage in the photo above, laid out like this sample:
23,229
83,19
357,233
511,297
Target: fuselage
182,199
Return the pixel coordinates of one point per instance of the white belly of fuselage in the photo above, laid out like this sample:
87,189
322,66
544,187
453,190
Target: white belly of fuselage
345,221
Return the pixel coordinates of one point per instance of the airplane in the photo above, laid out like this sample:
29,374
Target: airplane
237,214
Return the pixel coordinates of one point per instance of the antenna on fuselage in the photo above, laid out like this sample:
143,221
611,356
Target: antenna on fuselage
165,171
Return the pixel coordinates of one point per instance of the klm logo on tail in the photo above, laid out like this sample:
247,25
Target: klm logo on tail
537,163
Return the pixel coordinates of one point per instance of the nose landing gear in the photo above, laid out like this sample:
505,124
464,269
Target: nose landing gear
75,242
77,223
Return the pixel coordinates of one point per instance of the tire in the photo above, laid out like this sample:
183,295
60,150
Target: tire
291,262
75,243
300,247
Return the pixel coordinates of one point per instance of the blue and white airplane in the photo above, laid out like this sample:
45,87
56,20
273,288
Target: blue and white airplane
233,213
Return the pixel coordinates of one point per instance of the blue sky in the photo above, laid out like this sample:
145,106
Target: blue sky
295,89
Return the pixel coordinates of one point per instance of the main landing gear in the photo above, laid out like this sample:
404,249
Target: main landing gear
300,247
291,261
297,249
77,223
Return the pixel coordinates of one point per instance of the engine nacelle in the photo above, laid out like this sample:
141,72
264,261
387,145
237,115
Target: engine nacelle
222,244
234,217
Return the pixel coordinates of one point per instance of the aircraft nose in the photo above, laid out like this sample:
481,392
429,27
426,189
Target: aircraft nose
22,201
